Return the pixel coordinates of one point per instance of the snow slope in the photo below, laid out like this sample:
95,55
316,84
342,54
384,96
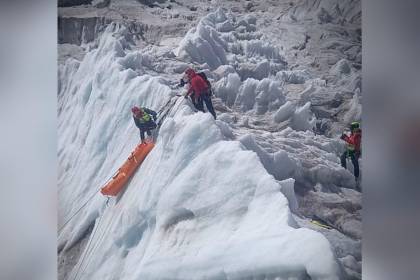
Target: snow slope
200,207
205,209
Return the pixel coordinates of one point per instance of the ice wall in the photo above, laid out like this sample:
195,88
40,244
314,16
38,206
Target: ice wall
95,127
220,40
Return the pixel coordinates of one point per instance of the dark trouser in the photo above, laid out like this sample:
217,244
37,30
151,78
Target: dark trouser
147,128
354,159
206,98
142,131
192,97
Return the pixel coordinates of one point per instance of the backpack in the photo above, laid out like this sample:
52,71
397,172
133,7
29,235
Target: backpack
203,75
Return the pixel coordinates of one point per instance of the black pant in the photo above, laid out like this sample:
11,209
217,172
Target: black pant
206,98
142,131
192,97
354,159
147,128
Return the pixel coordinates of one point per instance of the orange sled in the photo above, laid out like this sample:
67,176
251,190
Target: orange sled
116,184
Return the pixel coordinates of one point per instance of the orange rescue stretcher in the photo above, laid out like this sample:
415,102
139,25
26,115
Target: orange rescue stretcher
117,183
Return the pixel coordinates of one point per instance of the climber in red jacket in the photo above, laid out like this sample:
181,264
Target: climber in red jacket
353,150
200,90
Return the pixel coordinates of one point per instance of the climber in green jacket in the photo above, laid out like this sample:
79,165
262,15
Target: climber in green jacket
145,120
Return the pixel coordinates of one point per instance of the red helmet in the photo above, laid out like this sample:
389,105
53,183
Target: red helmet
189,72
135,110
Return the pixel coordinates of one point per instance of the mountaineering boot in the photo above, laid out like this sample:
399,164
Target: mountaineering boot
358,184
149,139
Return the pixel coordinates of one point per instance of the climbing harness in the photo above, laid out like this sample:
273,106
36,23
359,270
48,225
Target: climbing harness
145,118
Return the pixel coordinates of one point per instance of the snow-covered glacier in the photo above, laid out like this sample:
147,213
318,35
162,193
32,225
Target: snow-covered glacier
215,199
200,207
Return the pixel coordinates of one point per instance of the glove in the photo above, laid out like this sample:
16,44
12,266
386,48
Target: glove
343,136
185,96
181,83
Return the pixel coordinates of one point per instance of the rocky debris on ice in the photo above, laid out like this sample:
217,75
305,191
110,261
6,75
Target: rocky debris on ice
325,11
294,76
300,118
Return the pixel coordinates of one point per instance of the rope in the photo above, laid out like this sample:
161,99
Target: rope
165,114
179,104
84,204
75,213
164,106
94,247
87,247
89,251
